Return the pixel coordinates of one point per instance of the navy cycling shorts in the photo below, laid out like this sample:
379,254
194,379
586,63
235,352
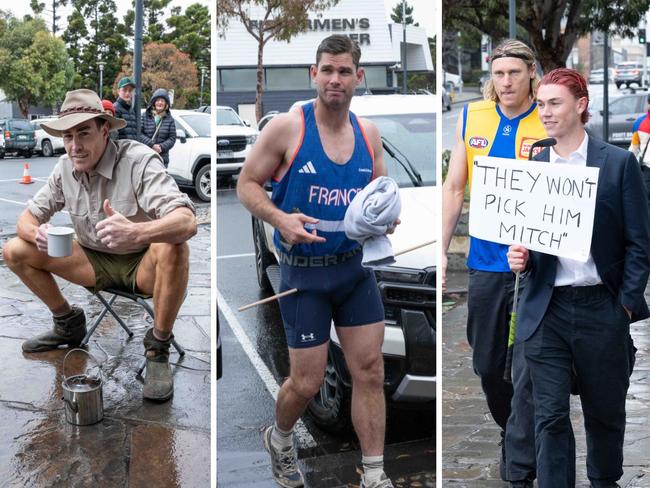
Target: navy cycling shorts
345,292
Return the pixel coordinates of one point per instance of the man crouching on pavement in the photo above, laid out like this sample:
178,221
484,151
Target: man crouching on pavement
322,145
131,223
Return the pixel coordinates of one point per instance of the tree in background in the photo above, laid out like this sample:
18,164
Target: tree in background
278,19
52,5
93,35
34,65
552,26
153,12
164,66
396,14
190,32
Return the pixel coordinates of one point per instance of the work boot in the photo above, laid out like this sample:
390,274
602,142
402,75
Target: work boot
382,482
158,380
283,463
68,330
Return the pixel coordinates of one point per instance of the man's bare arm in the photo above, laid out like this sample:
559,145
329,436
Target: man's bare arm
453,193
119,233
27,226
265,158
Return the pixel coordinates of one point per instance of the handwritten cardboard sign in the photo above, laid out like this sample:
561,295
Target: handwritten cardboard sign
544,207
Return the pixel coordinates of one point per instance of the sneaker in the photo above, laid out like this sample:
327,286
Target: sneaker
284,463
158,379
382,482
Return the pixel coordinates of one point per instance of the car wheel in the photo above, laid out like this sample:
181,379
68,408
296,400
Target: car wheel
203,184
46,149
618,85
263,258
331,407
27,154
2,154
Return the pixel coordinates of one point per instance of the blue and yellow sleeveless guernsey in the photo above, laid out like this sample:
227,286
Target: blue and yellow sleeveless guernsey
488,132
318,187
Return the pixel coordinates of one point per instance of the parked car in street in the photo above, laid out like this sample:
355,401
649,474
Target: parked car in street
623,111
627,73
446,99
408,288
482,81
597,76
235,138
18,135
46,144
189,159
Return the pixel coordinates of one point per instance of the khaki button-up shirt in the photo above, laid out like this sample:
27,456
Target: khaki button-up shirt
129,174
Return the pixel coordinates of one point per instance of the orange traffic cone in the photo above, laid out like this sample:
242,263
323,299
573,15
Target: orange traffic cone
26,178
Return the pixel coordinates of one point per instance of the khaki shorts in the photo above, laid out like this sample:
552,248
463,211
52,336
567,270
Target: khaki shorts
114,270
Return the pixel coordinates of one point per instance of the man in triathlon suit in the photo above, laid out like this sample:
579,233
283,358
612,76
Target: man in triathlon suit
505,125
319,156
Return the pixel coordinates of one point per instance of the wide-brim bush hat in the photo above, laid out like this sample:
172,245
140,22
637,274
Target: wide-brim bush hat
80,106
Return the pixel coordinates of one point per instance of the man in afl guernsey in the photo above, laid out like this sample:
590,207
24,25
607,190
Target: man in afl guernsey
318,157
505,124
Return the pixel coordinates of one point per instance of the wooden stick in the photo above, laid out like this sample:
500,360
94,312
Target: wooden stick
404,251
295,290
269,299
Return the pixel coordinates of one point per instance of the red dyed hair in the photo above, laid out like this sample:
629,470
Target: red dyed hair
571,79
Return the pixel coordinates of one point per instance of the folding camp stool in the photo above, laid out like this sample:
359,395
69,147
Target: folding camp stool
140,300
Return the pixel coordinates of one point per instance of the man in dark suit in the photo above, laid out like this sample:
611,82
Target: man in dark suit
575,315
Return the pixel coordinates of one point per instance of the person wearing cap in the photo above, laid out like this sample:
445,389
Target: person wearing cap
505,124
124,109
639,146
575,316
158,130
110,110
131,224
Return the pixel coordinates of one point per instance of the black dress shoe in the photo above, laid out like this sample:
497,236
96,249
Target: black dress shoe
521,484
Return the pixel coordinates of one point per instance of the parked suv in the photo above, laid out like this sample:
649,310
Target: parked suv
18,136
408,288
189,159
234,140
623,112
46,144
628,73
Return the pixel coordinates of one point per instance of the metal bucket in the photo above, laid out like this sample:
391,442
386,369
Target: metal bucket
82,395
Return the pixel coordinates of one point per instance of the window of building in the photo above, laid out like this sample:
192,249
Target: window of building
376,76
237,79
287,78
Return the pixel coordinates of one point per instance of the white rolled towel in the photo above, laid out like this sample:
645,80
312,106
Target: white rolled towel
370,215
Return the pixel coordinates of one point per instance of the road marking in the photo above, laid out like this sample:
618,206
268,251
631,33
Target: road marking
6,200
233,256
302,434
35,178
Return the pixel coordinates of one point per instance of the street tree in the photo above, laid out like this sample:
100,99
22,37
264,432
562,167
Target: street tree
267,20
396,14
153,12
49,8
190,32
164,66
40,74
94,35
552,26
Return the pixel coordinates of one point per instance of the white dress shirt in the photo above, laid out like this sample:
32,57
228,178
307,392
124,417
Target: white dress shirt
569,271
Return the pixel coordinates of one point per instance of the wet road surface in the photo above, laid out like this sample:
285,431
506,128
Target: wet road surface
251,372
139,443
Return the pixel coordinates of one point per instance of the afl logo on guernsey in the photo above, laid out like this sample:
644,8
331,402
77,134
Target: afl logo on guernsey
524,149
478,142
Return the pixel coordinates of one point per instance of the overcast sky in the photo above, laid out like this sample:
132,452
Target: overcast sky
423,10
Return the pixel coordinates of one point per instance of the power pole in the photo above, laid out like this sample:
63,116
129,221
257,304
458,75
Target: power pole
137,60
404,87
512,19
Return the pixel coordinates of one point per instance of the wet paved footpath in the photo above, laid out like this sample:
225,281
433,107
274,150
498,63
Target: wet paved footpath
470,436
139,443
